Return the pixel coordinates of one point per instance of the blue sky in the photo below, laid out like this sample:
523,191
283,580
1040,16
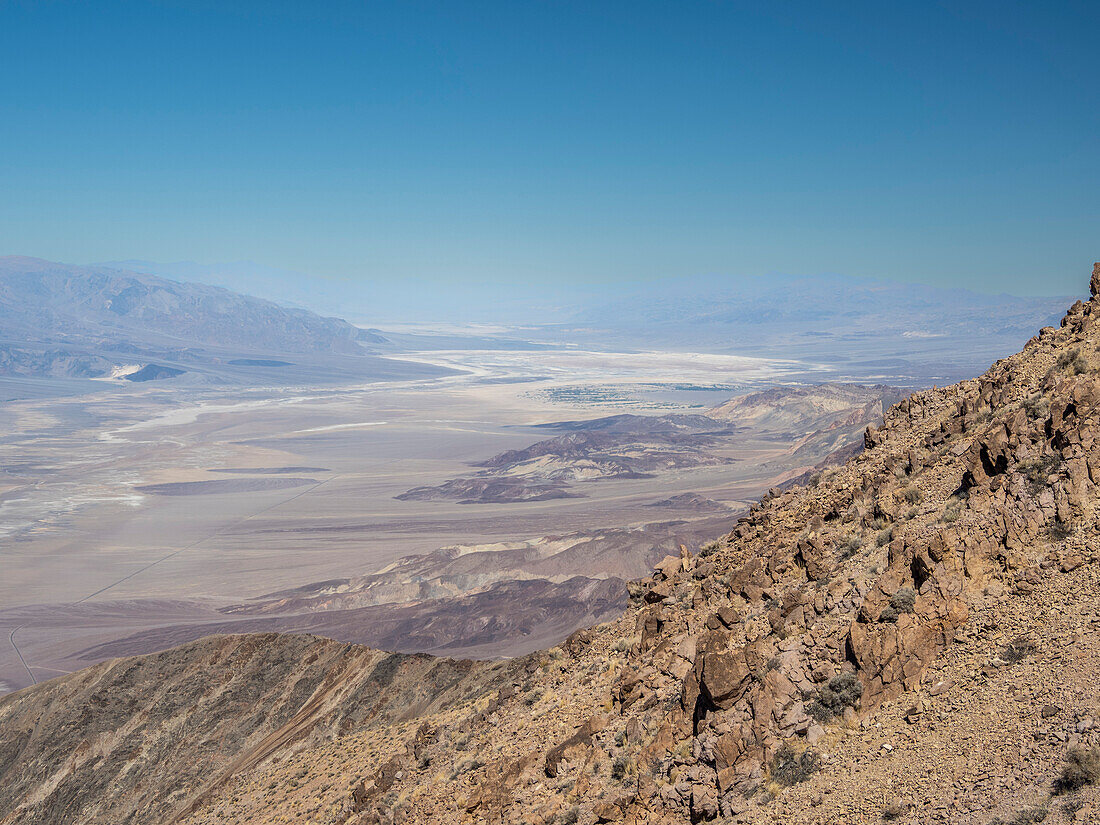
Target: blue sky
950,143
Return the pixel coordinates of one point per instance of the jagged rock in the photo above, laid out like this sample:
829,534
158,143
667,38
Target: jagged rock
704,801
580,739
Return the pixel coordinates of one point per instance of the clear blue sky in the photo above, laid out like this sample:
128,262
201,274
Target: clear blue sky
952,143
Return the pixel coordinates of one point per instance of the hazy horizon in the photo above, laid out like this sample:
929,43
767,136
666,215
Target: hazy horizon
413,301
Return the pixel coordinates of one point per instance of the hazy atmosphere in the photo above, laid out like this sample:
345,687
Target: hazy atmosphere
549,413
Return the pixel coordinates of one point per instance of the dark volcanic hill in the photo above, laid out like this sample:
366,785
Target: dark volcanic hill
909,637
812,421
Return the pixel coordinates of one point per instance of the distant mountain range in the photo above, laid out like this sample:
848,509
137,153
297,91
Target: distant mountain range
97,321
90,321
868,328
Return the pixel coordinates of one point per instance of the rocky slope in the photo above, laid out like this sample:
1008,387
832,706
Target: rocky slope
909,637
144,740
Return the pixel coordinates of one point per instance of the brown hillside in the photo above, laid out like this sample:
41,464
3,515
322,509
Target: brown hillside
911,638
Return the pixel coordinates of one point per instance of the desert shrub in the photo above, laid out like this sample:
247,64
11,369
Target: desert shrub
1082,767
1073,361
569,817
1071,806
851,546
894,810
618,769
466,767
888,615
1018,649
1036,407
1036,470
912,495
951,512
789,768
1027,816
904,600
885,537
840,692
1059,530
709,548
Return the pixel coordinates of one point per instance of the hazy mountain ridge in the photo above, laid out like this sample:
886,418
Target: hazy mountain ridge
81,321
865,326
862,326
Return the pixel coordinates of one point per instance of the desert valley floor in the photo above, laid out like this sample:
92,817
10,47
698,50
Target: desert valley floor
142,506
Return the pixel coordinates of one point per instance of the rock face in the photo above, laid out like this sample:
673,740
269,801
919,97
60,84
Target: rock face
914,629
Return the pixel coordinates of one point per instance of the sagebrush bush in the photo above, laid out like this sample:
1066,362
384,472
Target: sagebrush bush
618,769
840,692
1018,649
709,548
951,512
850,547
1073,361
1082,767
1028,816
1059,530
1036,407
904,600
789,768
1037,470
